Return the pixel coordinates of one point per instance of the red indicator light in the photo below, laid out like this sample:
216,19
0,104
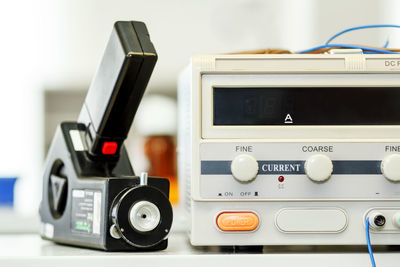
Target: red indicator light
281,179
109,148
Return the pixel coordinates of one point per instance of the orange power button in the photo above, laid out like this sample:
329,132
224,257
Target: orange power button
237,221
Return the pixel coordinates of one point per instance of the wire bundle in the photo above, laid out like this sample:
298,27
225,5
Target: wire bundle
329,46
366,49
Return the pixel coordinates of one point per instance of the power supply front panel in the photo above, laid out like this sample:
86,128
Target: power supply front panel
291,150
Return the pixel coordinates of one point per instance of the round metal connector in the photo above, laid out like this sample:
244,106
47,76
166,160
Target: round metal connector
144,216
114,232
377,220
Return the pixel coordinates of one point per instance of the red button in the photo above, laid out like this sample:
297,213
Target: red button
109,148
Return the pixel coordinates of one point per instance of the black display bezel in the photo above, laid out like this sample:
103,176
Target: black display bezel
307,106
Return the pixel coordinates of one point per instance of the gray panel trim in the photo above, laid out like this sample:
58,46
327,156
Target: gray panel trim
357,167
214,167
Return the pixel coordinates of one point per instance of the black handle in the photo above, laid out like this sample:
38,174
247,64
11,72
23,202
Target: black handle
117,88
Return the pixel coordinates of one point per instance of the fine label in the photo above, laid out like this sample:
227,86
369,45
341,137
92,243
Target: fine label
86,211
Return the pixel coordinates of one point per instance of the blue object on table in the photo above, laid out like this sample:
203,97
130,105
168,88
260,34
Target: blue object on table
7,191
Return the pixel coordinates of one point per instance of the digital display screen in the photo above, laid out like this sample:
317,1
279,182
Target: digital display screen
306,106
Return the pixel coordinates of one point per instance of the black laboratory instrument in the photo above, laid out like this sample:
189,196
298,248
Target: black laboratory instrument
91,196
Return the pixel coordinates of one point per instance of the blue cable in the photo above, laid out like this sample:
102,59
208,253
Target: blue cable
376,50
362,27
386,44
371,255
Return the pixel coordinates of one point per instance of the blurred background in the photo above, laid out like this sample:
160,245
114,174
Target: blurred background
50,50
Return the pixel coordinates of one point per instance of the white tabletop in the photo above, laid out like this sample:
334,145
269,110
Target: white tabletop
30,250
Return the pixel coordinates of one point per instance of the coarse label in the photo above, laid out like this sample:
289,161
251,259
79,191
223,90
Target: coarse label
86,211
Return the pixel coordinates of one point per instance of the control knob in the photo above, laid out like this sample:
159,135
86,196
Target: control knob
244,168
318,168
390,167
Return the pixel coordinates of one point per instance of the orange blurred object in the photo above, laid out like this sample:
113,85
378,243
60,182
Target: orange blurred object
161,153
